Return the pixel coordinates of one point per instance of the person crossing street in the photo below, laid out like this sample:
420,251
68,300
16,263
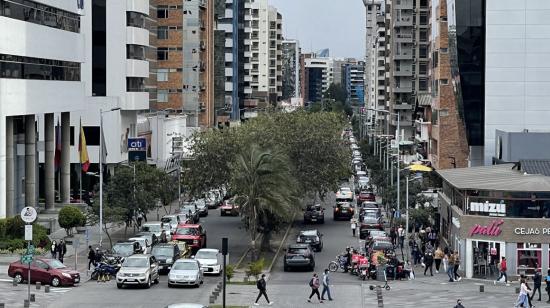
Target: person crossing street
314,285
326,286
261,285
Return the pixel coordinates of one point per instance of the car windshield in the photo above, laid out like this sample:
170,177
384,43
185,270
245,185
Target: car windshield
370,219
206,255
185,266
123,249
186,209
382,246
314,208
135,262
297,251
151,228
163,251
55,264
169,219
187,231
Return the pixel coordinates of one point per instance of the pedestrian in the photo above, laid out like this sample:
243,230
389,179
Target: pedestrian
348,259
537,282
432,237
98,255
438,257
53,250
61,250
261,285
91,257
502,267
393,236
450,266
314,285
353,222
401,235
548,285
428,261
458,304
456,259
326,286
163,237
139,218
523,295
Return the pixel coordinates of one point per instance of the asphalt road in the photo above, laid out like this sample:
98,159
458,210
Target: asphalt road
93,294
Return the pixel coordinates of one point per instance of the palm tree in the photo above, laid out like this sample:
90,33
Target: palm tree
264,187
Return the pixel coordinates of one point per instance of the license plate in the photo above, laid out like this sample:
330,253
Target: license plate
308,241
209,269
344,211
76,280
314,219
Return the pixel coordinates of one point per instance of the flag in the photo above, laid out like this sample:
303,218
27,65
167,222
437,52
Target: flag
83,150
57,157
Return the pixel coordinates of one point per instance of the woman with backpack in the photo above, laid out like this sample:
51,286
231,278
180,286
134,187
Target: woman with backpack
314,285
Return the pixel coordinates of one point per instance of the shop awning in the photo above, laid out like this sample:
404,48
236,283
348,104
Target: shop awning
503,177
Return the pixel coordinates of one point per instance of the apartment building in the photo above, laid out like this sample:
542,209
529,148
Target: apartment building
318,77
291,72
185,54
353,80
37,80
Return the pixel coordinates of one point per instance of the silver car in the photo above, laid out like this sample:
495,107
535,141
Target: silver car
185,272
140,270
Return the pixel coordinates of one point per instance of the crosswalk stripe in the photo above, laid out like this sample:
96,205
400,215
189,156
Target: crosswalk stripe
6,280
60,290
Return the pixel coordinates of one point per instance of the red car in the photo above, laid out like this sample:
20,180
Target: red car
365,195
46,271
192,234
229,208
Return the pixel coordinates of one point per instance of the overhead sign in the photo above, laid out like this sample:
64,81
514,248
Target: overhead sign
28,214
493,209
137,144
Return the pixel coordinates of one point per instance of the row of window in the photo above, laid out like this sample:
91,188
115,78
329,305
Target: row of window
40,14
35,68
138,20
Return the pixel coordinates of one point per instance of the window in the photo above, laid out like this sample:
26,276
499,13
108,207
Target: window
528,257
40,14
162,96
423,68
36,68
423,35
135,19
162,33
162,12
443,50
422,84
444,81
423,51
136,52
135,84
92,134
162,74
162,54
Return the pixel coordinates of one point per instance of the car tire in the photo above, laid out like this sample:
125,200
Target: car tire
322,221
148,283
170,285
18,277
56,282
119,285
285,268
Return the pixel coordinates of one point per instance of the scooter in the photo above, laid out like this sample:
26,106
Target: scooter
104,269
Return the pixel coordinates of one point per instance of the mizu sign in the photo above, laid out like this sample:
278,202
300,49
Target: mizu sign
493,209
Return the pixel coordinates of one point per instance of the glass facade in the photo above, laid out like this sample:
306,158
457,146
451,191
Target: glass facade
40,14
466,20
36,68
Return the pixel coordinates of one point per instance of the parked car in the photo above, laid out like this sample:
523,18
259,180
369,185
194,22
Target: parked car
201,207
365,195
165,254
190,209
299,256
156,228
210,260
185,272
344,194
192,234
150,236
343,210
369,222
142,270
213,199
144,243
314,213
125,249
229,207
44,270
382,245
173,220
313,238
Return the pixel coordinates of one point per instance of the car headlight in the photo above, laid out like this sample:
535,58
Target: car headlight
66,275
169,261
195,242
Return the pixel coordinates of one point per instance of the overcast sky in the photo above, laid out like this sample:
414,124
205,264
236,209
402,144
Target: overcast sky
335,24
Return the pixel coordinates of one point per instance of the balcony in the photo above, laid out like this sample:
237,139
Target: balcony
403,55
137,68
402,72
137,36
403,21
402,89
403,38
140,6
402,123
403,106
422,130
136,101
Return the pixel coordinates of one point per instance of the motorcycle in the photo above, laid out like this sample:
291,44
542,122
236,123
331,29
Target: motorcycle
339,263
103,268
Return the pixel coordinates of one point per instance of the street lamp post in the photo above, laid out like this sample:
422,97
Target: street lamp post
101,112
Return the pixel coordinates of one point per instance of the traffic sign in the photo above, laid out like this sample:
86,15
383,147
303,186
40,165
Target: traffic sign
26,259
30,250
28,232
28,214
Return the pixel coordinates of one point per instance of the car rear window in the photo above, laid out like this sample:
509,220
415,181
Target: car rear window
297,251
187,231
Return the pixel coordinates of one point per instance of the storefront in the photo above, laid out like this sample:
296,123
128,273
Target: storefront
492,212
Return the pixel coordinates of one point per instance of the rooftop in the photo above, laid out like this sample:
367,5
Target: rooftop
504,177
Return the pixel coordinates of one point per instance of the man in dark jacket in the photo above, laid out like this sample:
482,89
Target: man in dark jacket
537,281
61,250
91,256
261,285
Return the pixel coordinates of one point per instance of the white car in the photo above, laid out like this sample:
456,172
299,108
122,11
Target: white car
156,228
144,242
344,193
209,260
173,220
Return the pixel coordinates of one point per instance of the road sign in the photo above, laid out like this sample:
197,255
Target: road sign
26,259
28,232
30,250
76,243
28,214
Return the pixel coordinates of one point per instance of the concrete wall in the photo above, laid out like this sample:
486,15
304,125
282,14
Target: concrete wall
521,145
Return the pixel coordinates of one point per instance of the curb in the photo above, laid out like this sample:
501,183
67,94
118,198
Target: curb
282,244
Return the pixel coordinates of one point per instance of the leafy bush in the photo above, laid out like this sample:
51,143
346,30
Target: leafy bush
12,235
71,217
15,227
229,271
256,268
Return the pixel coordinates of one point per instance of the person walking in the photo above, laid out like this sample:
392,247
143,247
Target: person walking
502,268
537,282
428,261
393,236
61,250
53,250
432,237
456,259
326,286
261,285
314,285
91,257
438,257
163,237
450,266
353,223
139,218
523,295
401,236
458,304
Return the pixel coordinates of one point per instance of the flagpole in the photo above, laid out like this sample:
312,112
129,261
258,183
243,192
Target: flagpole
100,178
80,160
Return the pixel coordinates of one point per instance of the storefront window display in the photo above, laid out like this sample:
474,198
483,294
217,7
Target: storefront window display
528,258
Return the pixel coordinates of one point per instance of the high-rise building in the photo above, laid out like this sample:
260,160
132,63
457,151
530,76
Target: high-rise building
185,50
354,81
291,69
318,77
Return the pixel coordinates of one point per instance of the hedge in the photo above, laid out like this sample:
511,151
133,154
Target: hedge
12,234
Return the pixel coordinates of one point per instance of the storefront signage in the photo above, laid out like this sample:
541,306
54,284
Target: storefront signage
493,209
531,231
492,229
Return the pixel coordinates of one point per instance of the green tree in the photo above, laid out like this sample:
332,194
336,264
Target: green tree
71,217
264,187
336,92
